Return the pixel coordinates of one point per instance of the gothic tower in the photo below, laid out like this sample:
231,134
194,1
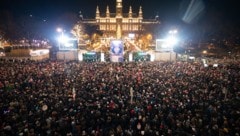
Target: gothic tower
118,8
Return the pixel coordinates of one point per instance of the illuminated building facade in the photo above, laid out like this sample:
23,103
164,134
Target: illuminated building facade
119,24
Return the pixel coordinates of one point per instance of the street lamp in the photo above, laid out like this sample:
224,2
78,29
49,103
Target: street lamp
60,30
172,40
173,32
62,38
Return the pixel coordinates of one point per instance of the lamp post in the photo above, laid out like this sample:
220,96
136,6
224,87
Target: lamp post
172,32
172,40
60,30
60,40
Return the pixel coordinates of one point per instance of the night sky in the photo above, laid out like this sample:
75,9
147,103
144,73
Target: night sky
183,14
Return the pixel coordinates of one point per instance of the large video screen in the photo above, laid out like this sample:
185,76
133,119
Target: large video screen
116,50
163,45
70,44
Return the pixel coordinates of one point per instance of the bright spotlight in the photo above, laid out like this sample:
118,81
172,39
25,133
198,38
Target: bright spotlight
59,30
172,31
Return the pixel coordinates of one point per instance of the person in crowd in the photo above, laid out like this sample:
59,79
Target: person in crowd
117,99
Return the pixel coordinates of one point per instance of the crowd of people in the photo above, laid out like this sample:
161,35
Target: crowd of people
119,99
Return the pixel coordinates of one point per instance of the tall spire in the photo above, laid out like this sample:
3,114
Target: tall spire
140,15
118,8
130,12
97,12
107,12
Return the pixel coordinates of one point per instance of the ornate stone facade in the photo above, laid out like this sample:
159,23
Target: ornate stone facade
119,24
